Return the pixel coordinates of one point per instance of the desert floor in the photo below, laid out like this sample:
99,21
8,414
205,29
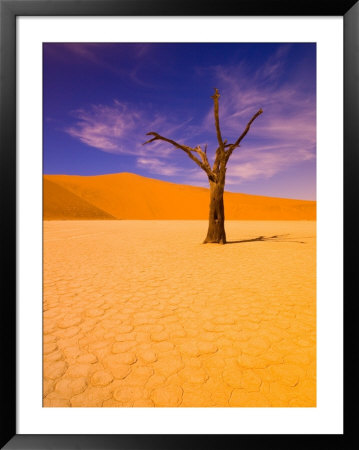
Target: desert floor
140,313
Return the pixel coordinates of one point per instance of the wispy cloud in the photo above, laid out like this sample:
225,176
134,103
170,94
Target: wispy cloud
265,162
85,51
121,128
106,128
158,166
96,54
166,168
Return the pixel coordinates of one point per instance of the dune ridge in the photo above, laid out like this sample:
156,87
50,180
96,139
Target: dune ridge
132,197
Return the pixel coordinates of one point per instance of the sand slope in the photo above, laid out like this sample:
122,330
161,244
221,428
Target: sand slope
60,203
130,196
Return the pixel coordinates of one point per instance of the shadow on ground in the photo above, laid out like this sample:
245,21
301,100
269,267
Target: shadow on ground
275,238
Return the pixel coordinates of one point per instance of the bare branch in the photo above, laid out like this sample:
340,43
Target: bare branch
216,118
188,150
158,137
236,144
203,155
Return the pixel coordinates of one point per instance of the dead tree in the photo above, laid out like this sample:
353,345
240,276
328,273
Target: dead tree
216,175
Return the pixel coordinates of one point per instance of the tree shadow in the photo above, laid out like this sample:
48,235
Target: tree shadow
275,238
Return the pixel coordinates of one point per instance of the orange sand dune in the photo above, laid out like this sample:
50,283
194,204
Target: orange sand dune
130,196
60,203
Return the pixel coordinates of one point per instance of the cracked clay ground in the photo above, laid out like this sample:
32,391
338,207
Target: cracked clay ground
140,313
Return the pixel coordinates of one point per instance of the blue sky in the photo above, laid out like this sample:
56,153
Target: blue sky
100,100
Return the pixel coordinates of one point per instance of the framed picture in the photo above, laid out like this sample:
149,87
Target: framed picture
120,123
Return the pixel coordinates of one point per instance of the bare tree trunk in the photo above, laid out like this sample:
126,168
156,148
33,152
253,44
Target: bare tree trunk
216,233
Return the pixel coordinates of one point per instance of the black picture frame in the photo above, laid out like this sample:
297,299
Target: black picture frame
9,10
